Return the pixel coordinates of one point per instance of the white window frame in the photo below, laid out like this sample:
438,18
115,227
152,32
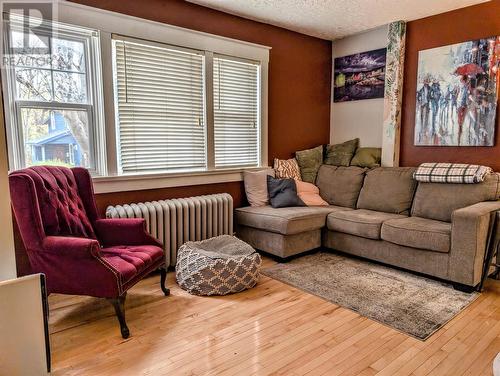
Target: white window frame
93,108
109,23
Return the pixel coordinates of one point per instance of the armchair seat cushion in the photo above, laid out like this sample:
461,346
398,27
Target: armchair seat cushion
418,232
132,261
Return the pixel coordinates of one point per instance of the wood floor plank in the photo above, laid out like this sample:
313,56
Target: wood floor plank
409,361
273,329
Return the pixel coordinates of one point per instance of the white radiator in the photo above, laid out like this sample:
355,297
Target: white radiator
176,221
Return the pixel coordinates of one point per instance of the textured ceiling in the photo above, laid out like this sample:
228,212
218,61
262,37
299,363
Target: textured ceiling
333,19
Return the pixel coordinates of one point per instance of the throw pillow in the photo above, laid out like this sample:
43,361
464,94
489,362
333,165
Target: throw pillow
256,186
309,162
283,193
309,194
286,168
341,154
367,157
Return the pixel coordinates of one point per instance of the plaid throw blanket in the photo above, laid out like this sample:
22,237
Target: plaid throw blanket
458,173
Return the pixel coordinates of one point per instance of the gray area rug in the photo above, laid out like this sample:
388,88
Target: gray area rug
412,304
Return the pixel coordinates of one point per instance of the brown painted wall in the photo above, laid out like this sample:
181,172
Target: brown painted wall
461,25
235,189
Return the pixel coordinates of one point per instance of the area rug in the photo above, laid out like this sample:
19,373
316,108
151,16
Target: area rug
407,302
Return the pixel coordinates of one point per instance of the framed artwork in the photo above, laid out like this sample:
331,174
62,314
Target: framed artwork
457,94
359,76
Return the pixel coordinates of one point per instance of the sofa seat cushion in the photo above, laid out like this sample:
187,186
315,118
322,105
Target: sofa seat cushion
285,221
361,222
130,261
418,232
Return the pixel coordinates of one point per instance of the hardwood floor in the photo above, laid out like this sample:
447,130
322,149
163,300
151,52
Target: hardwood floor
273,329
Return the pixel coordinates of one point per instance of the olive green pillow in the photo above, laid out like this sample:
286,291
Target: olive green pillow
309,163
341,154
367,157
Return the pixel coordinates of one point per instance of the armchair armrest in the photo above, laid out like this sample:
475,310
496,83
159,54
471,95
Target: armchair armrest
123,231
470,227
72,247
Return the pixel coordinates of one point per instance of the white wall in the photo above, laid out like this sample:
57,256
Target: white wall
363,118
22,324
7,254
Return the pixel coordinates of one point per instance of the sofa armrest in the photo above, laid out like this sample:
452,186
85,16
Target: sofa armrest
123,231
470,227
71,247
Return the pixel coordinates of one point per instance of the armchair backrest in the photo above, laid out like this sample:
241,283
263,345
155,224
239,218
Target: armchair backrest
52,201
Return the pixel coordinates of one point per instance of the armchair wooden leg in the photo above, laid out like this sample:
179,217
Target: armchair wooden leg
119,306
163,279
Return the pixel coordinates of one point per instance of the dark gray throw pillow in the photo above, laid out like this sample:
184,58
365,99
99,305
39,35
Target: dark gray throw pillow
283,193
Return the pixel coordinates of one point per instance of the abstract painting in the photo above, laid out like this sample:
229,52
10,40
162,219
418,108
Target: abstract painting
359,76
457,94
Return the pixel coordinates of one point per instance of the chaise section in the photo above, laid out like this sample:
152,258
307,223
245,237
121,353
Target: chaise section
361,222
280,245
286,221
283,232
418,232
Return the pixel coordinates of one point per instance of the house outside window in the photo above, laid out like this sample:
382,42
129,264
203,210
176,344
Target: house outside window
54,114
57,145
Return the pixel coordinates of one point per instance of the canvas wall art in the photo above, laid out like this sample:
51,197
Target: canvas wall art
457,94
359,76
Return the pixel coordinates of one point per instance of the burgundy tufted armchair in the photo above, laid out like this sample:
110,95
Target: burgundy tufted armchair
65,239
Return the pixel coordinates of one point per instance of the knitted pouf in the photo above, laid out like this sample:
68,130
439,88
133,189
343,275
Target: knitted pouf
217,266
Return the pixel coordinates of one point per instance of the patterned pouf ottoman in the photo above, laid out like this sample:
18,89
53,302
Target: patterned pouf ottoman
217,266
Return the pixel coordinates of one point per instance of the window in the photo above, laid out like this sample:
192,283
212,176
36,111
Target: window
236,113
164,122
160,99
52,90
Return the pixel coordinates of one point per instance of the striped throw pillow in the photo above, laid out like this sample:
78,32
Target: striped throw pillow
287,169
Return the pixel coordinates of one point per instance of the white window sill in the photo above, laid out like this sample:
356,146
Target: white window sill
133,182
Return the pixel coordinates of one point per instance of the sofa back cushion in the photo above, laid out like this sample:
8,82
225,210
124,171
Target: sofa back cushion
438,200
388,189
340,185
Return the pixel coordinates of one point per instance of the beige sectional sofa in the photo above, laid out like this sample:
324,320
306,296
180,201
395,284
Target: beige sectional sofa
383,214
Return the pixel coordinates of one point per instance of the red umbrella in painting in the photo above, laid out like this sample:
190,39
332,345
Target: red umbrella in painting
470,69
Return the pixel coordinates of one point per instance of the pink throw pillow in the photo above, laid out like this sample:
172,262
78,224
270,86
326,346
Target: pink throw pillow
309,194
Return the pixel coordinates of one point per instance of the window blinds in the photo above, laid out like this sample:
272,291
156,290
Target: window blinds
236,113
160,101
